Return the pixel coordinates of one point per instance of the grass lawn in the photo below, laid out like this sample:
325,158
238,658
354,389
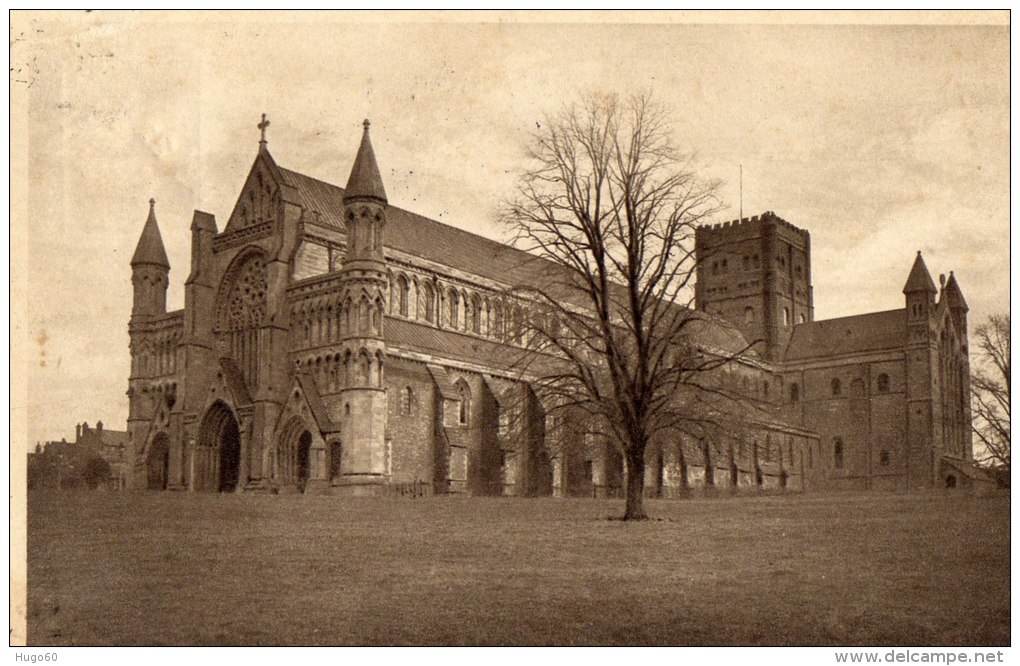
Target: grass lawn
840,569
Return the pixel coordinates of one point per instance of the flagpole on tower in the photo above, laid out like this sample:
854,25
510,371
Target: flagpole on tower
741,191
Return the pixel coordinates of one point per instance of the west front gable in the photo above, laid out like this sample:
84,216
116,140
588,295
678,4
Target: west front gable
261,196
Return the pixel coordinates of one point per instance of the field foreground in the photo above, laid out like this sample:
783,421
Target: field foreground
841,569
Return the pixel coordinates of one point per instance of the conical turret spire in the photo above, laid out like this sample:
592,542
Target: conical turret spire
365,180
150,248
953,295
919,278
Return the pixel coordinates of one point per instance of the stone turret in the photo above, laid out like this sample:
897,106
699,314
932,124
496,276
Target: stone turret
150,270
919,291
921,363
364,289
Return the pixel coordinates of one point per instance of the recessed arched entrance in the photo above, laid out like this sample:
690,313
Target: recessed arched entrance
218,459
294,456
303,455
157,463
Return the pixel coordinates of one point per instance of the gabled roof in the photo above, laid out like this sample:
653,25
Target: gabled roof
365,180
919,278
106,437
446,245
419,236
150,248
875,331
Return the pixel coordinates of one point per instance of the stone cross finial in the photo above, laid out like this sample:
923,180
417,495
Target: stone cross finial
263,126
366,124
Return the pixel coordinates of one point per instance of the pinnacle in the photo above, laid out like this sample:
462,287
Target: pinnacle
150,248
365,180
953,294
919,278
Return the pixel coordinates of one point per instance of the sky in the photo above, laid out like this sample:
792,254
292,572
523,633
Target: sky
880,140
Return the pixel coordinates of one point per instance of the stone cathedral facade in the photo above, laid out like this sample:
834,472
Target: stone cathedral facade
331,342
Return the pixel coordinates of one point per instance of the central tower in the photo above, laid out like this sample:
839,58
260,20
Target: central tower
364,285
756,272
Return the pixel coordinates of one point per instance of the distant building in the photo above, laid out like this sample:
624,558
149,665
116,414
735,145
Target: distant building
64,464
332,342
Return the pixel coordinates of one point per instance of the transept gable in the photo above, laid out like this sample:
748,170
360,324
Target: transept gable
261,196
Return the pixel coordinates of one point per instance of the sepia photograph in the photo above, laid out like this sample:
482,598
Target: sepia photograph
499,328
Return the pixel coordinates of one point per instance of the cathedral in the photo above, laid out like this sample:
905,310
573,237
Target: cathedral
333,343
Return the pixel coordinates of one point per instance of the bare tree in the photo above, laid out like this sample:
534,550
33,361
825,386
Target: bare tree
612,203
990,387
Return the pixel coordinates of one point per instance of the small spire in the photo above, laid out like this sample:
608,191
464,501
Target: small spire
150,248
919,278
365,180
263,126
953,295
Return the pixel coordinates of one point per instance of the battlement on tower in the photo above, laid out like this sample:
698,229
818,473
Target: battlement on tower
747,228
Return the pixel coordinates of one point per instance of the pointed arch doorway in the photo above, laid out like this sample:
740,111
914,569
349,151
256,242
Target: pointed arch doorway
157,463
294,465
218,465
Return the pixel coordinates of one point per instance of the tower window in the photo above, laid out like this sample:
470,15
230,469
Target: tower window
765,389
724,265
756,260
883,458
747,262
748,315
883,383
802,318
837,452
786,316
715,268
794,393
837,387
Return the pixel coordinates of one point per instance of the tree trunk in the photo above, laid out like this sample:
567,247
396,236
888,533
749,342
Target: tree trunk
734,471
684,481
634,482
706,452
